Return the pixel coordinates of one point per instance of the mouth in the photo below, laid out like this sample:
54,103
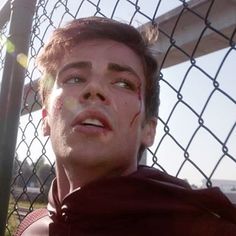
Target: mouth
91,121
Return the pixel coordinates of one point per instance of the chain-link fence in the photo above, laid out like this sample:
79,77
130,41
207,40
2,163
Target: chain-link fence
196,131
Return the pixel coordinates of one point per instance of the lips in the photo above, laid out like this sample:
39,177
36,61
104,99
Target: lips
91,120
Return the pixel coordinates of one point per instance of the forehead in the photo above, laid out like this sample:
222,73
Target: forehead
103,52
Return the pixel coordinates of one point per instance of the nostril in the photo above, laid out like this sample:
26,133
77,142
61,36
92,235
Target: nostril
90,96
101,96
87,95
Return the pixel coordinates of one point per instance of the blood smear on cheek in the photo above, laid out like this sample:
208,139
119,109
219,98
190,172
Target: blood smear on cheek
58,106
140,105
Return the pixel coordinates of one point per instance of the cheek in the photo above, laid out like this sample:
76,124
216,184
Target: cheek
65,103
71,104
55,102
57,106
140,105
131,108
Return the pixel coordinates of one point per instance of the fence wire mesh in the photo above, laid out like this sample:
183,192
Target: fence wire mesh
196,131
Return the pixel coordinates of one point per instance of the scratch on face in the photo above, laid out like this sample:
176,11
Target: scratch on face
140,105
58,106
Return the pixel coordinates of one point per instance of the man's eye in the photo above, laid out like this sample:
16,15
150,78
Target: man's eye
74,80
125,84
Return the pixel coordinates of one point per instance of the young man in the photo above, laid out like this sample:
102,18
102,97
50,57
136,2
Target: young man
100,96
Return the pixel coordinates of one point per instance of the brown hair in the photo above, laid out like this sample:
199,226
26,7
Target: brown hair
63,39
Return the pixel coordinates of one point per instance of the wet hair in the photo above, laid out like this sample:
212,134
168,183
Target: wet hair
65,38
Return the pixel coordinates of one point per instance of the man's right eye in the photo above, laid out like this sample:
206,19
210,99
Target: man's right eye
74,80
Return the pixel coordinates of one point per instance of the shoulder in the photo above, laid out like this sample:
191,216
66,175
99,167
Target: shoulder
154,174
35,223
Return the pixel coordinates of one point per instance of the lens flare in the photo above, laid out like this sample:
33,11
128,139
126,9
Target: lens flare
10,47
21,58
71,104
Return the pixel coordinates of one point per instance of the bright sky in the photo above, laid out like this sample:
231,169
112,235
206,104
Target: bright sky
219,116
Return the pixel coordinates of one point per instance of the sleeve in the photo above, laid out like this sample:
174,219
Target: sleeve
30,219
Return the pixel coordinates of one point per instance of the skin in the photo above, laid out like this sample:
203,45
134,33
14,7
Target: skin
101,80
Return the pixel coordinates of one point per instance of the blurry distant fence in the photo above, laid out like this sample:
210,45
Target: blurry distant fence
196,133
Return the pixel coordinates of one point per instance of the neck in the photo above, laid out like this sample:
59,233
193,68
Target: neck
63,184
79,177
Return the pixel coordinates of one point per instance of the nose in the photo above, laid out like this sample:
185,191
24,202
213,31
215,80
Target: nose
90,95
94,92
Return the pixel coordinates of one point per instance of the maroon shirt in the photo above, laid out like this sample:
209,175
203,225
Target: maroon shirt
147,202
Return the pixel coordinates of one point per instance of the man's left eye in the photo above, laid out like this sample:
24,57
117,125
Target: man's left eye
124,84
74,80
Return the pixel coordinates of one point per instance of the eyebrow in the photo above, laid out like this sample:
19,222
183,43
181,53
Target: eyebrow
88,65
122,68
75,65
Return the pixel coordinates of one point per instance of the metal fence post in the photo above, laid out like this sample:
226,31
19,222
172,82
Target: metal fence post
22,12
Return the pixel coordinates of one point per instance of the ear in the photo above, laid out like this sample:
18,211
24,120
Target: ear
149,132
45,125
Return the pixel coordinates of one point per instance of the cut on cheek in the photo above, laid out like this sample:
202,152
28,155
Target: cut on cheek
140,105
69,104
57,107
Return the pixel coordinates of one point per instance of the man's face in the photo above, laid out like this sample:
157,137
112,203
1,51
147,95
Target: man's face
95,115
